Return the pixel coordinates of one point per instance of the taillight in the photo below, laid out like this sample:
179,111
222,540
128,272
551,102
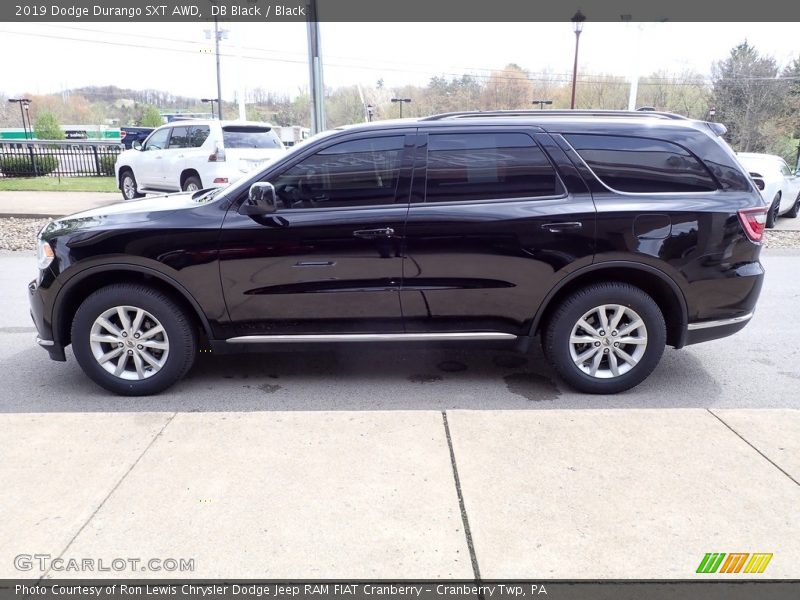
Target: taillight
753,220
218,156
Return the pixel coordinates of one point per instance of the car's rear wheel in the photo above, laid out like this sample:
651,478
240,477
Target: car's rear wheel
793,212
605,338
127,183
133,340
772,214
192,184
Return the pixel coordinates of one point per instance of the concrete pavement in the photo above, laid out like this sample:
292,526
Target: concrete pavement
372,494
36,205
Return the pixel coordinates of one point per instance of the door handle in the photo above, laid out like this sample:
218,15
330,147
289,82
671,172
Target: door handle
559,227
372,234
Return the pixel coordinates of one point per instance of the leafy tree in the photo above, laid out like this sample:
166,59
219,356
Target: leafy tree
747,95
47,127
151,117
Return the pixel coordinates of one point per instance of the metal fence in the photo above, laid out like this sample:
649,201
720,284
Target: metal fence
84,158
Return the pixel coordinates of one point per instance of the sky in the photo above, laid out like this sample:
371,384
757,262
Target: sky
177,57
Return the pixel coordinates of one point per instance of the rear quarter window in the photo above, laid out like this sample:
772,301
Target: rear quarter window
642,165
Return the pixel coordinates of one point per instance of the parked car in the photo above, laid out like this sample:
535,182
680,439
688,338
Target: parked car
128,135
607,234
190,155
779,185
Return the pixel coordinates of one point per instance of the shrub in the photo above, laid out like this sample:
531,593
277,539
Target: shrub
21,166
107,164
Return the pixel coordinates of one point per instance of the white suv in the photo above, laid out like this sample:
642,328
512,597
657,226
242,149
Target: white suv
193,155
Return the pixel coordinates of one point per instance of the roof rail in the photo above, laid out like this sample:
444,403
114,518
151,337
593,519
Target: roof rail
553,113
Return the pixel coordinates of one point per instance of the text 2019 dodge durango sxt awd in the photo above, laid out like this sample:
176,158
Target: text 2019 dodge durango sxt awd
607,234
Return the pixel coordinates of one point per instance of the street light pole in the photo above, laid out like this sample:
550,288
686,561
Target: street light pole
210,101
401,101
577,21
23,107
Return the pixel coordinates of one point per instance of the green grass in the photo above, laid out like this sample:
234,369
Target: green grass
53,184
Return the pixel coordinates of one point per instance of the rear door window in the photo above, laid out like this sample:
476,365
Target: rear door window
179,138
487,166
249,136
642,165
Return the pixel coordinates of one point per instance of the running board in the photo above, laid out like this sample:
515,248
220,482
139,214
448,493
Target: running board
370,337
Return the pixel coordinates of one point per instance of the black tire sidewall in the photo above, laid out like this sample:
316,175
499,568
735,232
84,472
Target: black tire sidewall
136,194
559,329
195,179
772,214
182,342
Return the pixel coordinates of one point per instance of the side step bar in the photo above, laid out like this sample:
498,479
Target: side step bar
370,337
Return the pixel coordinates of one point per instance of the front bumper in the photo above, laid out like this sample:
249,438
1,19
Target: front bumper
45,337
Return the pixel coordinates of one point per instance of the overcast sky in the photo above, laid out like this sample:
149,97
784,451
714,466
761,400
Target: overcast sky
175,56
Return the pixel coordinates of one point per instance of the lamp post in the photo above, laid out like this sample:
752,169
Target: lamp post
24,103
541,103
577,23
210,101
401,101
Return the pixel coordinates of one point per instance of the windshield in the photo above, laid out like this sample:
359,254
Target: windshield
249,136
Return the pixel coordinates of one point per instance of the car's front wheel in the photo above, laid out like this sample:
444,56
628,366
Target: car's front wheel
793,212
772,214
127,183
605,338
133,340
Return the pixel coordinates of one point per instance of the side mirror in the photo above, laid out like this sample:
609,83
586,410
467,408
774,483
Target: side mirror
136,145
261,200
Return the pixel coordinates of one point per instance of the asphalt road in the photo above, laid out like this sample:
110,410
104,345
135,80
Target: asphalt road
757,368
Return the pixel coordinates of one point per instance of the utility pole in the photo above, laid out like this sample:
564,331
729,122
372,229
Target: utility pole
219,76
316,88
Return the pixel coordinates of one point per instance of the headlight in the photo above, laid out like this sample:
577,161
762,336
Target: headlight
44,254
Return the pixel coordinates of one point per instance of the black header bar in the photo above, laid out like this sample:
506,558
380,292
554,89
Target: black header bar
366,11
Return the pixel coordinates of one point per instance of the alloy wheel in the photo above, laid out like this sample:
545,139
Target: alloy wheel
608,341
129,342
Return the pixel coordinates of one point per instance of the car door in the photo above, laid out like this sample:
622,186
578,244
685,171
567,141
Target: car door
491,227
175,156
149,173
329,260
791,187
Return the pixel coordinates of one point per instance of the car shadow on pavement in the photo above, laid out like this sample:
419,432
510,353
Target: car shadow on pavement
353,377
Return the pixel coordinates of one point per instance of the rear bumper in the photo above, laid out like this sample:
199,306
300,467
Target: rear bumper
703,331
728,304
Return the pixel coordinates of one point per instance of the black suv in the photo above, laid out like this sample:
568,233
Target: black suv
609,234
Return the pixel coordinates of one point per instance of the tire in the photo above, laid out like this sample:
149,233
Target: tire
564,355
793,212
127,183
772,214
192,184
148,368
